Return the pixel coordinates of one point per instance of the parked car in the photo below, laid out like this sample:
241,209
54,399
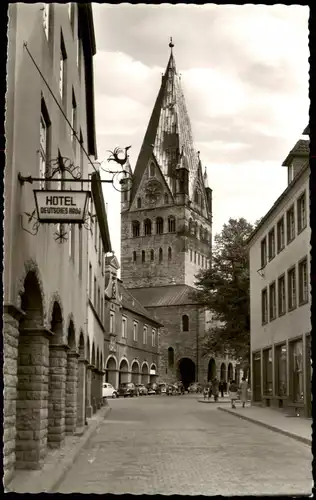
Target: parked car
108,391
195,387
142,389
151,388
162,388
127,389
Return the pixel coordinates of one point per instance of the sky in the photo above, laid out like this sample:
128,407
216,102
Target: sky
244,73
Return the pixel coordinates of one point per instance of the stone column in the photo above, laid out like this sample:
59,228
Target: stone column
10,346
81,392
71,392
88,391
94,391
32,398
57,395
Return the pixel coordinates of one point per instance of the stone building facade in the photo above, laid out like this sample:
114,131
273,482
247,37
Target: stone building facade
166,230
132,336
280,323
45,282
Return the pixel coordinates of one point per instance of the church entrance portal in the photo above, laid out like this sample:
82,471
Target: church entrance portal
186,371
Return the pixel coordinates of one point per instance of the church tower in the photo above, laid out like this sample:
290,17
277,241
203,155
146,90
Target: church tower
166,235
167,218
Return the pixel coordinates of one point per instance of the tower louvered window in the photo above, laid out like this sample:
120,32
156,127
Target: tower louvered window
159,225
135,228
147,227
171,224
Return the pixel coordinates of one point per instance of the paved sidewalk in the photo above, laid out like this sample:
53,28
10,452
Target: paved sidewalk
57,461
295,427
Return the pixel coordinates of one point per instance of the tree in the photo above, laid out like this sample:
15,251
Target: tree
224,290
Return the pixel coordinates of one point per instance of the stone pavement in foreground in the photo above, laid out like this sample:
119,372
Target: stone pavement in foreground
173,445
295,427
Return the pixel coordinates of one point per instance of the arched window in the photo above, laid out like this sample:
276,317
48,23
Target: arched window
139,203
134,256
143,256
171,224
170,357
160,255
152,170
169,253
166,198
159,225
196,196
135,228
185,323
147,227
151,255
195,229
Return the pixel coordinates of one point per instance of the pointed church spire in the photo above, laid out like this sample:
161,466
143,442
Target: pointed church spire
169,130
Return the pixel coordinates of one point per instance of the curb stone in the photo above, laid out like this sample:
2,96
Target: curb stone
46,481
269,426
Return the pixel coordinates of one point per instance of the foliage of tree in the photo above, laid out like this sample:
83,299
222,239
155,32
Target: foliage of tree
224,290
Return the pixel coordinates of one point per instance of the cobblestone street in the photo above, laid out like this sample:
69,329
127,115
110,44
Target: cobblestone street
162,445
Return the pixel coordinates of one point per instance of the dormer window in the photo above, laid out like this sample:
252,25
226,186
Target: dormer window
290,172
152,170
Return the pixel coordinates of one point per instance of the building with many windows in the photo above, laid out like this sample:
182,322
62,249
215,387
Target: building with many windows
50,86
131,346
279,251
166,234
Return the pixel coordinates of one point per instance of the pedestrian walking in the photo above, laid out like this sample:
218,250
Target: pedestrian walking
243,391
206,392
215,388
221,388
233,392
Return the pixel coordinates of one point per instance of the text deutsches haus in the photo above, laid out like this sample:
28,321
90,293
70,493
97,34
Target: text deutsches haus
59,205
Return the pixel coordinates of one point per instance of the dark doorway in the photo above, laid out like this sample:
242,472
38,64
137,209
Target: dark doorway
186,371
211,374
230,372
256,376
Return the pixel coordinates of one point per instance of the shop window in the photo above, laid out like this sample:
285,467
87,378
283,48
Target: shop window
280,234
267,372
297,371
281,370
185,323
170,357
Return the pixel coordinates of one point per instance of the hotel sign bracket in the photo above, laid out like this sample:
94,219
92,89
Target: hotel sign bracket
67,206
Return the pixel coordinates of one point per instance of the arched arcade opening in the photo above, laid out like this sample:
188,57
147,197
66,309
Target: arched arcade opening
186,371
